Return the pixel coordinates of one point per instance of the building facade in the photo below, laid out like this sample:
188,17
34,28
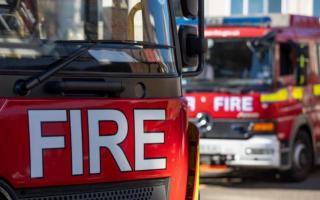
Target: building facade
252,7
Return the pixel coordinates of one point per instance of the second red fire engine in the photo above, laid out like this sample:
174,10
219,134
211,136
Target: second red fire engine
257,101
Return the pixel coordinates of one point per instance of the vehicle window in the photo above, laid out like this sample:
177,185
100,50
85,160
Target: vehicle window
234,59
287,59
235,62
293,56
134,35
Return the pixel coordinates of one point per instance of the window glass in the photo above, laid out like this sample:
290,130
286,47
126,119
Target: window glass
234,65
255,6
135,35
274,6
316,7
293,57
234,62
236,7
287,57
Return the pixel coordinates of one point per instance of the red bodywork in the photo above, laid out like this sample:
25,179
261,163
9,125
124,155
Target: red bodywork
283,113
290,113
204,102
14,149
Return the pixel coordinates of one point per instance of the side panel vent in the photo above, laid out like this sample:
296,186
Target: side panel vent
142,190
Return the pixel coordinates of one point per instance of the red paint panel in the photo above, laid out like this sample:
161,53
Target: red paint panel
205,102
283,113
15,149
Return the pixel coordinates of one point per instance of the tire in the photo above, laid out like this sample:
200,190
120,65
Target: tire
6,193
301,158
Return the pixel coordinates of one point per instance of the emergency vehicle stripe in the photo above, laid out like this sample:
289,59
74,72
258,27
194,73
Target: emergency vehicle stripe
316,90
197,186
302,63
280,95
297,93
284,94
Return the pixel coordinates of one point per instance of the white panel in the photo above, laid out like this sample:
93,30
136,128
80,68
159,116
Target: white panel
217,8
284,6
301,7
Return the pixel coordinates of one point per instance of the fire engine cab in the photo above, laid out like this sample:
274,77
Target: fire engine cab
257,101
91,103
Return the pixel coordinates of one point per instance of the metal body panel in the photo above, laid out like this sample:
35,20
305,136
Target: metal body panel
290,106
57,163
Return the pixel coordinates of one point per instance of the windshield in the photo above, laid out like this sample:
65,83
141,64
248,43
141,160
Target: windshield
133,36
234,62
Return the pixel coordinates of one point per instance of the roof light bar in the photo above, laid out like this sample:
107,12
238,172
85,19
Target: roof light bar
184,21
271,20
251,21
240,21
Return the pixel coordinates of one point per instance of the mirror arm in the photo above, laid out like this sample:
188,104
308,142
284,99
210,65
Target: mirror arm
200,41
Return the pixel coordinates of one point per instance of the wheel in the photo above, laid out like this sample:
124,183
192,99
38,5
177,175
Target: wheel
6,193
301,158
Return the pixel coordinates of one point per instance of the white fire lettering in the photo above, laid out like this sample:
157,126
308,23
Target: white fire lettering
233,104
39,142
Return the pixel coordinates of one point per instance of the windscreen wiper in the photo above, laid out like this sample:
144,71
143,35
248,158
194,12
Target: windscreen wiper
120,42
23,86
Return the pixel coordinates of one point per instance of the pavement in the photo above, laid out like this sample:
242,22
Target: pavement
260,188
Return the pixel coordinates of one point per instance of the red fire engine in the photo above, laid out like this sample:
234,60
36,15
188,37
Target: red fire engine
91,104
257,101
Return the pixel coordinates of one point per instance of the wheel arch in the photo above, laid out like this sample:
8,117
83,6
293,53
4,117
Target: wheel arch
302,123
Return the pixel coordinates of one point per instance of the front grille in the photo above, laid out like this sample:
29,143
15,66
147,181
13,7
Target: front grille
228,129
144,190
134,194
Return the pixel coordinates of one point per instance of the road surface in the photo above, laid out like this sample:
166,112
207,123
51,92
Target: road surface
261,188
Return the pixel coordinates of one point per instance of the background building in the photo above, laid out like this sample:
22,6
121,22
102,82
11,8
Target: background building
250,7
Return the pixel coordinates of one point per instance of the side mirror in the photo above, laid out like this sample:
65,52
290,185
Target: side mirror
192,42
190,8
189,46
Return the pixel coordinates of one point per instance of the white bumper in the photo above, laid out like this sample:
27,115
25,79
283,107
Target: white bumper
258,151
